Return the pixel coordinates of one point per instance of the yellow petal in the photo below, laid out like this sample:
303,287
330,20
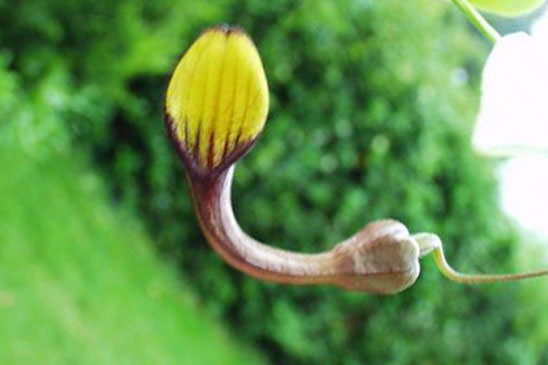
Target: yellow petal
217,99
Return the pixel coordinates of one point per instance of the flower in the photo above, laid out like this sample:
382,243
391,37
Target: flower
217,100
216,106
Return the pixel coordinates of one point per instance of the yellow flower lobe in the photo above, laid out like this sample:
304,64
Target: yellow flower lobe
217,99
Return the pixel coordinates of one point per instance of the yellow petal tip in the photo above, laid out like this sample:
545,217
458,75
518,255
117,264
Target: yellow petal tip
217,99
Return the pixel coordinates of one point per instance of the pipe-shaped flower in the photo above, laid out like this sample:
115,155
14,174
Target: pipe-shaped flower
217,100
216,107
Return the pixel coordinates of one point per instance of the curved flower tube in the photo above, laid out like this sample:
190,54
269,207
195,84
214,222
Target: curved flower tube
216,107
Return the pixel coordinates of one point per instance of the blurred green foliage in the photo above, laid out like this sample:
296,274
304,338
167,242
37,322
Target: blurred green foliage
372,104
73,291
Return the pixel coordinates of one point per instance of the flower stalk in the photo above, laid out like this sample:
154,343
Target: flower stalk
478,21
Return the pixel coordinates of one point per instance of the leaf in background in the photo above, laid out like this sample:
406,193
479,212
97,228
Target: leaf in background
508,8
514,112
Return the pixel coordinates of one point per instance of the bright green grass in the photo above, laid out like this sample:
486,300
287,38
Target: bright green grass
79,283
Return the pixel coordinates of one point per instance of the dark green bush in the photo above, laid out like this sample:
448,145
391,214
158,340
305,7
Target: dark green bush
368,120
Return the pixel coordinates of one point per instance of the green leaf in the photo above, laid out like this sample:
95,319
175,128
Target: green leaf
510,8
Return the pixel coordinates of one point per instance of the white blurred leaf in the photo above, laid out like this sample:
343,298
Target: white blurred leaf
514,108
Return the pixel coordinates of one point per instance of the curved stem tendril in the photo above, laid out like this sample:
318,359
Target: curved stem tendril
429,242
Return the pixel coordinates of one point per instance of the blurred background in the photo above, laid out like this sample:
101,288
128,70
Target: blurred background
373,110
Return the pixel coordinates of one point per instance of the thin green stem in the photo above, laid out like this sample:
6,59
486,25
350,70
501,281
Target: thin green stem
429,242
478,20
